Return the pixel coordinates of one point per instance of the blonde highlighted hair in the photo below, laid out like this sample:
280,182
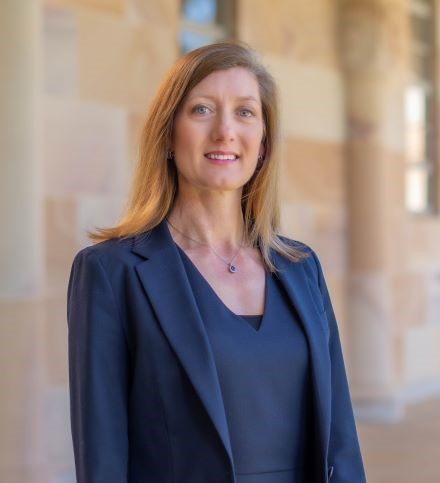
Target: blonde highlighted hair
154,183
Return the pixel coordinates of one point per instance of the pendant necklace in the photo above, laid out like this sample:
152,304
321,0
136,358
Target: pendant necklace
231,266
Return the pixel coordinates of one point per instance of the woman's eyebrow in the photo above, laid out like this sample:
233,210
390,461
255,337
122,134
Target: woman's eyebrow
213,98
248,98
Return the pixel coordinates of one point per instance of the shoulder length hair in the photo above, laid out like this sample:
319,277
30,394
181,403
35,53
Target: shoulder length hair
154,183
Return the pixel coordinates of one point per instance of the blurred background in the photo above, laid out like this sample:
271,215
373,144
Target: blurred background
359,88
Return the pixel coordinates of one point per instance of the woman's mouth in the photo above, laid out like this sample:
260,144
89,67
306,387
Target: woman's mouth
221,157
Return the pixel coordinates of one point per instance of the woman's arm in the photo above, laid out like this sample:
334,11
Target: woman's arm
98,374
344,452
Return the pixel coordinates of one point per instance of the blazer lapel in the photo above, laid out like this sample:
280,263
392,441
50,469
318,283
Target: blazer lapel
295,280
165,282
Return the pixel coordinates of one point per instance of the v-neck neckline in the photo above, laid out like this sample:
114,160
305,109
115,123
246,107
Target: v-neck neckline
236,316
253,320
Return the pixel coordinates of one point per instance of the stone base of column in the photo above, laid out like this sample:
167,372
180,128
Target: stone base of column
22,441
388,410
391,408
420,391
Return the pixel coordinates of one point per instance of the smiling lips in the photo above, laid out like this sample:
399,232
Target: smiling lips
221,156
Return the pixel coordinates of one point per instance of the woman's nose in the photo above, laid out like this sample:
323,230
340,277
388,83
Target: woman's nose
223,129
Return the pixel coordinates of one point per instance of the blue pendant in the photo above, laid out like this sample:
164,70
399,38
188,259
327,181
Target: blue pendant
232,268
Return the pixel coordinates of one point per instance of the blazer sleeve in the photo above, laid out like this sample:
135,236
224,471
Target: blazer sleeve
344,452
98,374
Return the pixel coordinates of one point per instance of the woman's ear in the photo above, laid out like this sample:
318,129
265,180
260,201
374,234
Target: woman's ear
170,155
260,159
262,151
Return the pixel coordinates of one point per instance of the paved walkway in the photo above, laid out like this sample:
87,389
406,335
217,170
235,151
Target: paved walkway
404,452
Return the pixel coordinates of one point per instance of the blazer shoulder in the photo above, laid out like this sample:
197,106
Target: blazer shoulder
296,244
310,262
107,252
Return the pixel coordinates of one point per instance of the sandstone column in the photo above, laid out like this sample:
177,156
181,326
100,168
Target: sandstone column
21,257
372,33
20,173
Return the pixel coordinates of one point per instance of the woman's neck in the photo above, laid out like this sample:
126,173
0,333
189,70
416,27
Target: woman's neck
212,220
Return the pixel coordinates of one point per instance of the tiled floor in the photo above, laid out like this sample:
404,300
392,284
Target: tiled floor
404,452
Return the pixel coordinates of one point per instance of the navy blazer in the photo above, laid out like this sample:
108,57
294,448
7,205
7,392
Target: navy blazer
146,405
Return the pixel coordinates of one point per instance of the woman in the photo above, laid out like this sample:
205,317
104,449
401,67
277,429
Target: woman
202,344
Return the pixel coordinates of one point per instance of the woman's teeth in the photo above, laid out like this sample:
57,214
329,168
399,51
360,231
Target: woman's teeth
230,157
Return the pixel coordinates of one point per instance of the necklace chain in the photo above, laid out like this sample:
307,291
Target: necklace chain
232,268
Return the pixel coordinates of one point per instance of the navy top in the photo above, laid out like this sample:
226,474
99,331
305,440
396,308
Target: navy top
262,364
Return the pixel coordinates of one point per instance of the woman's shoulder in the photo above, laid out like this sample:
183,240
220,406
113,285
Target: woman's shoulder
299,245
107,252
309,261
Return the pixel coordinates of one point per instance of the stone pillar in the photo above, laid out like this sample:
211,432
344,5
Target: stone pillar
20,172
21,257
372,49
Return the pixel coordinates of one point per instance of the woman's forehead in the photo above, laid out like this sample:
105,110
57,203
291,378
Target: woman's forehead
236,82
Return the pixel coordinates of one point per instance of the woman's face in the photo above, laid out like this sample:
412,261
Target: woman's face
218,131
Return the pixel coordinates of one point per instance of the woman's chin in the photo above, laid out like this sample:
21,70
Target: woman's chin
224,185
217,183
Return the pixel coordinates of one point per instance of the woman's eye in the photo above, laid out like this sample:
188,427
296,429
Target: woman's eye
201,109
245,113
